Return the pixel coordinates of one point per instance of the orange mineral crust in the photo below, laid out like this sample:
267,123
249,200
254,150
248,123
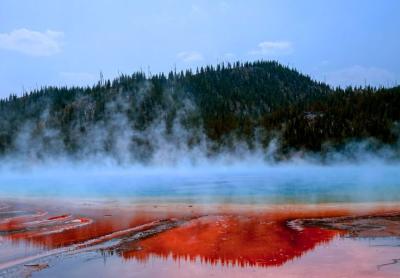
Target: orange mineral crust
227,228
240,236
60,231
230,245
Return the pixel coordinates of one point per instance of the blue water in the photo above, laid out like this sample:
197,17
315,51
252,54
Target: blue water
258,184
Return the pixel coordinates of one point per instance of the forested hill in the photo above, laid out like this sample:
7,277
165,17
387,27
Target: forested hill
214,108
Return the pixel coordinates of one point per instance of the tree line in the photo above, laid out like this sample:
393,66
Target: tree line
247,102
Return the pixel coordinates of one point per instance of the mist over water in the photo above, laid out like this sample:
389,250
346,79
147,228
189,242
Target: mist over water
114,164
249,180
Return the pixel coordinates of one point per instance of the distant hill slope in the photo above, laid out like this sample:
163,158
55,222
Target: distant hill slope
215,108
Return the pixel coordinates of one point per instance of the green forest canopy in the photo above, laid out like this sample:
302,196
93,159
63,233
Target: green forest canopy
229,103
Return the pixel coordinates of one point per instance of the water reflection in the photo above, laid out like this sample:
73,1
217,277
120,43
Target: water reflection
231,241
215,236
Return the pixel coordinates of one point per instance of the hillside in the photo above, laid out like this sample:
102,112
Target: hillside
214,109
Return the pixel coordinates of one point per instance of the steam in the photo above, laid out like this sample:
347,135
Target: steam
173,160
170,135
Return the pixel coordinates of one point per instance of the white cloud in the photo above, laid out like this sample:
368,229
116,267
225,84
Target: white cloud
359,76
32,43
270,48
190,56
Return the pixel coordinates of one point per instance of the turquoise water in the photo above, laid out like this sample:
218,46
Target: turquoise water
258,184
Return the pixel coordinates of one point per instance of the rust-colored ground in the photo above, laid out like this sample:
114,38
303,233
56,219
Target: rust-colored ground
226,235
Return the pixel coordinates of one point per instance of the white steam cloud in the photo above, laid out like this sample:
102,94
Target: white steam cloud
172,161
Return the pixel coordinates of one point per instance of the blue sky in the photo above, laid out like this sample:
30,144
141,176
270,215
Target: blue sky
47,42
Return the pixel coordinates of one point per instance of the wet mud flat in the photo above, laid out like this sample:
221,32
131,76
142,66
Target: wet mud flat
185,240
378,225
